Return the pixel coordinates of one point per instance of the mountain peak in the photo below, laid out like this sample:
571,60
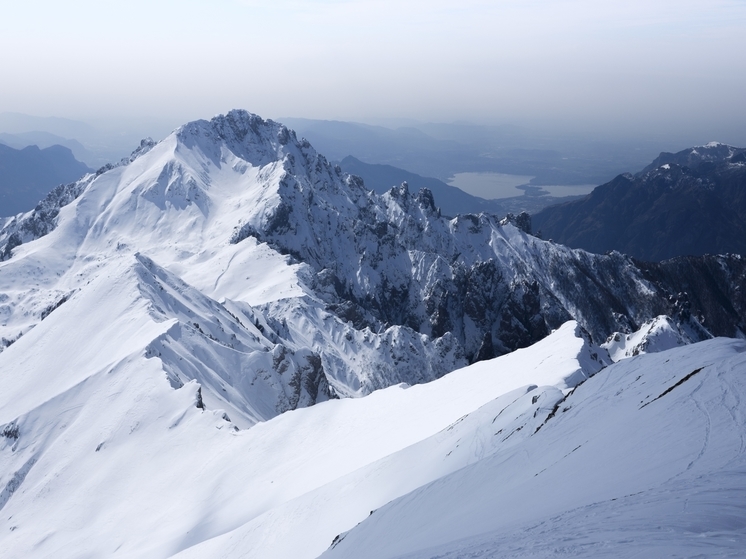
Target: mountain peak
713,152
246,135
240,209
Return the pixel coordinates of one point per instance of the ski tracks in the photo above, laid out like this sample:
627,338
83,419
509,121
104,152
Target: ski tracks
705,440
708,426
730,392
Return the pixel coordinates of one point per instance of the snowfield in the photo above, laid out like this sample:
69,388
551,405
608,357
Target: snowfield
225,347
645,459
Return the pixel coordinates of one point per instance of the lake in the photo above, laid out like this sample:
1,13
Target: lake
492,186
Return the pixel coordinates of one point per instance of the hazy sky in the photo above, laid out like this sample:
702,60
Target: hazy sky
644,63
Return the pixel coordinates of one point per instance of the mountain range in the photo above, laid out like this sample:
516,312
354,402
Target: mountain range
688,203
225,345
44,140
468,288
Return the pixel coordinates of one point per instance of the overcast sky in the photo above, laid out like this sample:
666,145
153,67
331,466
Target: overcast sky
637,63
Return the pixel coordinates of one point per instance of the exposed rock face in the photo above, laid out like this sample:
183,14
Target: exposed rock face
709,288
688,203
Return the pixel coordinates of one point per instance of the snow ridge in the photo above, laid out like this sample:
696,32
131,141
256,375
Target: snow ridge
605,476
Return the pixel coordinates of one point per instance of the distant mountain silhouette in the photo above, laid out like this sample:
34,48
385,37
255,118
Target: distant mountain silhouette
45,139
688,203
18,123
28,174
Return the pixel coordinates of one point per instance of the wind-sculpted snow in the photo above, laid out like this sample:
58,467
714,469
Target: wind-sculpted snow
221,347
659,334
100,456
533,450
645,459
237,367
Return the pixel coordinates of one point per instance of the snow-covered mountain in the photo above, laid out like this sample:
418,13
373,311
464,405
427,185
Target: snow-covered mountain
694,157
645,459
381,289
178,329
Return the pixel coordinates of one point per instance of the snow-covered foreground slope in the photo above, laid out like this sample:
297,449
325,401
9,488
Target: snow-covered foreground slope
501,458
118,464
645,459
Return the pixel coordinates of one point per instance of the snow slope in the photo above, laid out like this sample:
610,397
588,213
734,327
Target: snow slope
645,459
499,456
118,463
